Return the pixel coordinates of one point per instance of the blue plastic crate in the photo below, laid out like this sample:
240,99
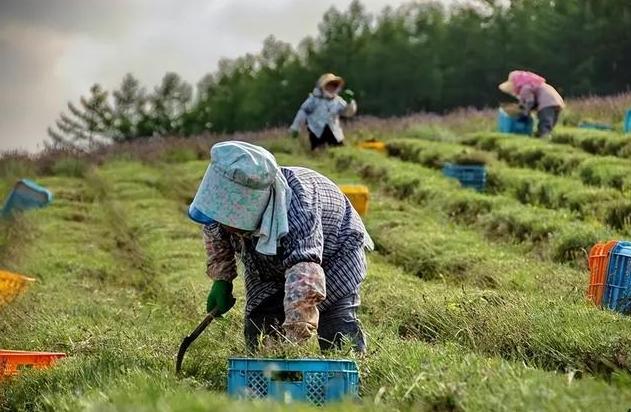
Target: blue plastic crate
508,124
316,381
617,294
595,126
25,195
627,122
469,176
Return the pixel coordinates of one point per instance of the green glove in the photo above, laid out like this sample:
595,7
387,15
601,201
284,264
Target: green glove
220,297
295,133
348,95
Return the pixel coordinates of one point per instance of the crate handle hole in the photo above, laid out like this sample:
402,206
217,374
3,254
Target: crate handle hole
287,376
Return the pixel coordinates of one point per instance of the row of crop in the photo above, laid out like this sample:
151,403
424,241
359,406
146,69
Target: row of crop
526,185
524,319
607,171
559,236
596,142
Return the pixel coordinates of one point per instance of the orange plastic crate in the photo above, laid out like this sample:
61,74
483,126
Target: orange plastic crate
11,284
358,196
13,361
598,265
373,145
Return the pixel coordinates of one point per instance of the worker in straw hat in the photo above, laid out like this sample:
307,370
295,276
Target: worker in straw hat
534,93
301,242
322,110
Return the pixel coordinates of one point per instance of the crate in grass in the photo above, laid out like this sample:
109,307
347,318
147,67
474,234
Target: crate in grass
469,176
627,122
11,285
617,294
598,267
595,126
315,381
25,195
14,361
358,195
373,145
516,125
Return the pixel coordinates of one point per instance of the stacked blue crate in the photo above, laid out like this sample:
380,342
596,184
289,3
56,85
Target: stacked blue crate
617,294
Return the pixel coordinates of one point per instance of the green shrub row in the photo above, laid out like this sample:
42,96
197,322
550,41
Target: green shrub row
557,159
560,237
526,185
596,142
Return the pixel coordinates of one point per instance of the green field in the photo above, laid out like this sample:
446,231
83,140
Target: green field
474,301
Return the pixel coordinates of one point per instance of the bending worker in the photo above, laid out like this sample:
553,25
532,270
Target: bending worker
322,110
534,93
301,242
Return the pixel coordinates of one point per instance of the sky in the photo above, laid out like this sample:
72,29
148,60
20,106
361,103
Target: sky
52,51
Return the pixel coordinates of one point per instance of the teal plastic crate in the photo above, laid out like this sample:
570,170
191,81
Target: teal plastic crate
508,124
617,294
595,126
25,195
315,381
469,176
627,122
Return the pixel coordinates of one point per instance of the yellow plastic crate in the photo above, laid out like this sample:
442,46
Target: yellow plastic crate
373,145
11,285
358,196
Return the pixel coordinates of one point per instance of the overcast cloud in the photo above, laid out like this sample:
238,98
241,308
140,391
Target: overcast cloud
53,51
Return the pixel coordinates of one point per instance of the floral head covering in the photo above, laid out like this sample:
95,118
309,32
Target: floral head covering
244,188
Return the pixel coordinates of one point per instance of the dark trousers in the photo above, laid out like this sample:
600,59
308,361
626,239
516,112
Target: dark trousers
337,323
327,138
548,118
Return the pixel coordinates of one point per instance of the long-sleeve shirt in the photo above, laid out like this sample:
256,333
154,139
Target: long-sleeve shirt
539,97
319,261
319,111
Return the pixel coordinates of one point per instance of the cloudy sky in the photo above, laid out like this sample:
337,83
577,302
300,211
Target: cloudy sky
52,51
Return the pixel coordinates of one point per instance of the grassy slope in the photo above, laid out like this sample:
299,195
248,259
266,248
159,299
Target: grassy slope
120,281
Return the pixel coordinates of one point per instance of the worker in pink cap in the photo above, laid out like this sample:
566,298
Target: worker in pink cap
534,93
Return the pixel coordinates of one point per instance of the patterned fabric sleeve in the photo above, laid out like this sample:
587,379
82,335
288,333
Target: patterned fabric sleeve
301,117
305,288
527,99
305,282
221,263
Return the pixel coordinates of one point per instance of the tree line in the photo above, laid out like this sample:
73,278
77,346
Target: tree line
422,56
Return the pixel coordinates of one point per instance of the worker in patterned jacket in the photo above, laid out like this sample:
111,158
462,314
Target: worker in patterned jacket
301,242
322,110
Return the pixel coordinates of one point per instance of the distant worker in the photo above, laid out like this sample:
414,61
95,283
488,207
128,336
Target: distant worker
534,93
322,110
301,243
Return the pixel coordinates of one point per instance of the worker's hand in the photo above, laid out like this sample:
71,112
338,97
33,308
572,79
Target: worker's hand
348,95
294,133
220,297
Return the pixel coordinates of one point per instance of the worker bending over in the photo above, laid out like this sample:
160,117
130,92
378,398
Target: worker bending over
301,242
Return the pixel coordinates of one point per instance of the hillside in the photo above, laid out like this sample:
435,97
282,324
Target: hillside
474,301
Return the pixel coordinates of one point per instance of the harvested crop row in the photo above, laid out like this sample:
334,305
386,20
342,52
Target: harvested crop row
528,186
557,159
129,363
555,234
556,333
596,142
